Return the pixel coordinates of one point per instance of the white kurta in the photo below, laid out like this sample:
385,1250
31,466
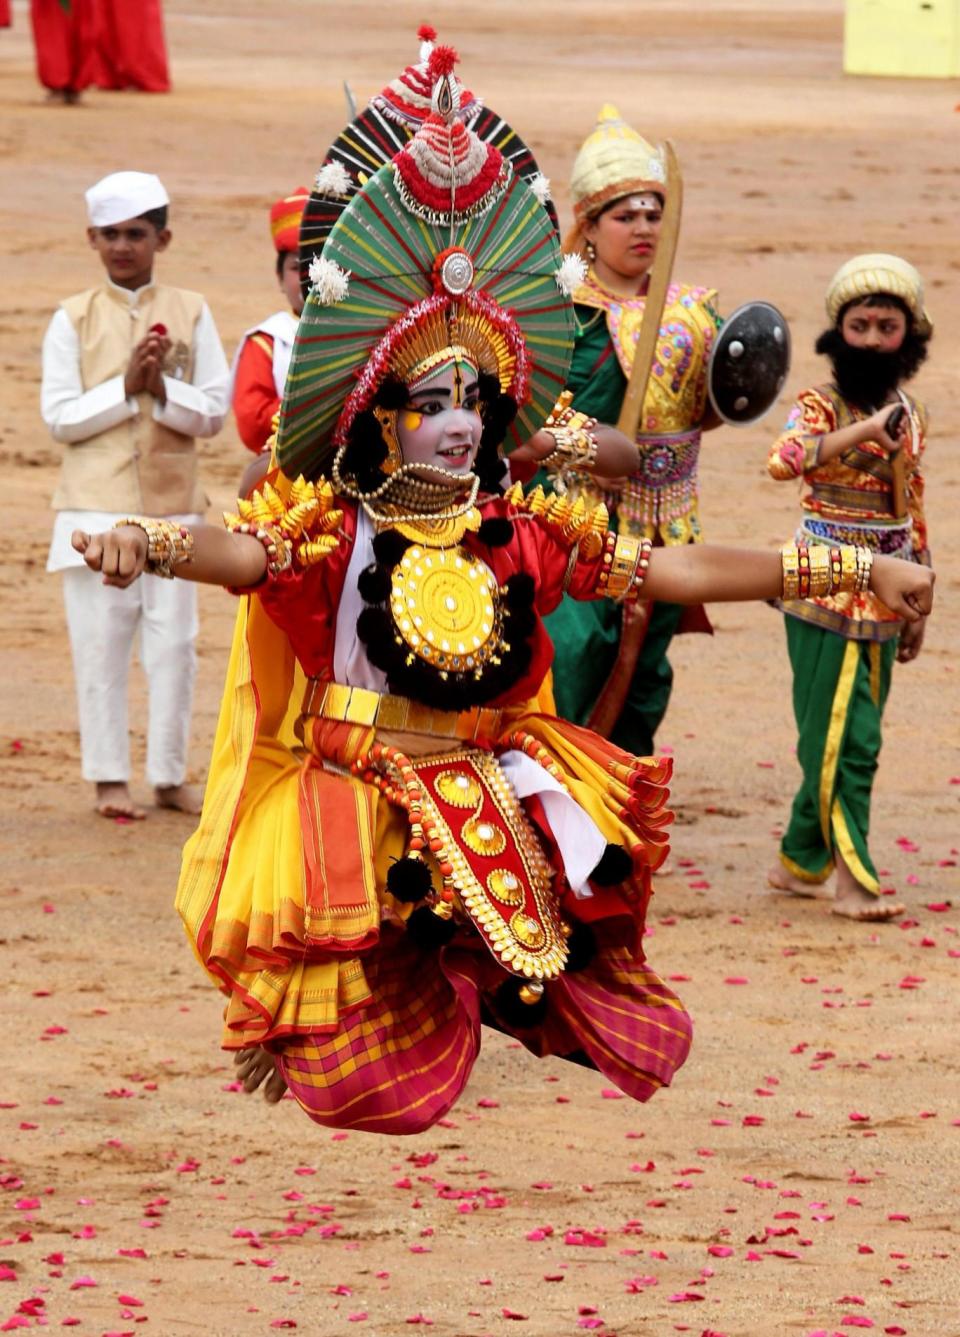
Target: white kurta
103,621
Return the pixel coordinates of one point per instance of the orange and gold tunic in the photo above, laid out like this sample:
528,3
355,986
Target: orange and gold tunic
849,500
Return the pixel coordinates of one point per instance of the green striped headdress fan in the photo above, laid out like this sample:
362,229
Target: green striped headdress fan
472,257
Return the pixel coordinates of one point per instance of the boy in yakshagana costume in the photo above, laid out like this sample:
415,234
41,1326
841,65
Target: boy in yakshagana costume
263,358
866,487
395,848
133,371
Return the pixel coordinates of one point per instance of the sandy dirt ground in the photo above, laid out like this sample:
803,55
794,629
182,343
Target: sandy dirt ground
801,1177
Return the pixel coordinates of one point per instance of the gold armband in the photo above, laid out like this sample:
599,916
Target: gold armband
812,572
168,544
624,567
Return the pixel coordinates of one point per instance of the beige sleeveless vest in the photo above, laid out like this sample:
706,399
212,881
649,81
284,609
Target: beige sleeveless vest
138,466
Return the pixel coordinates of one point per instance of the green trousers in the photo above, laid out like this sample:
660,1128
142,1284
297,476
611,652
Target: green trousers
586,637
840,687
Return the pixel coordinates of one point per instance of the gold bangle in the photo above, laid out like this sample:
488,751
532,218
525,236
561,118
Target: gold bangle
790,562
168,544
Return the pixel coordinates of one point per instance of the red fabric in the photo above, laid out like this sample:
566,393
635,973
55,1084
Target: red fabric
65,44
255,398
304,603
6,19
131,51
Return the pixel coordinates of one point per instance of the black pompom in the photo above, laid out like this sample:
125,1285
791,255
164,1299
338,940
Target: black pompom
515,1013
374,627
496,532
409,880
389,546
505,410
374,585
368,477
615,866
393,394
366,435
428,930
581,948
520,590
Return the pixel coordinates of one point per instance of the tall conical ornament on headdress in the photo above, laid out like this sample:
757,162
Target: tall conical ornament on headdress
614,161
380,131
429,255
407,98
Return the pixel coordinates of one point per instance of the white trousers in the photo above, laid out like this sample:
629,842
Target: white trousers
103,622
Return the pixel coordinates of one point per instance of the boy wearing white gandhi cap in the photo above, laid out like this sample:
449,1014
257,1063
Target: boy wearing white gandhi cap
133,372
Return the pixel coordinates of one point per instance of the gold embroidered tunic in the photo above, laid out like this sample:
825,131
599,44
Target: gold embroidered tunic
660,500
849,499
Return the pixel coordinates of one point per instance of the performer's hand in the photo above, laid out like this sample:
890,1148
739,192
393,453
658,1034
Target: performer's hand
875,429
911,641
905,587
120,554
537,448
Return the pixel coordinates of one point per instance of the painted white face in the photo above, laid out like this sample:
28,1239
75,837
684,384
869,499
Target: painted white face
441,424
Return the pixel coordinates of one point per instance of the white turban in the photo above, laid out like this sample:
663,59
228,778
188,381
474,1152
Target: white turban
123,195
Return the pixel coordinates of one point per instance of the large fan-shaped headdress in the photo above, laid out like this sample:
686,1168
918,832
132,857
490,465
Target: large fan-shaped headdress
444,247
385,127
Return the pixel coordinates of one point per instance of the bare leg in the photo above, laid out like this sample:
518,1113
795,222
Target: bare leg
853,901
184,798
256,1067
113,800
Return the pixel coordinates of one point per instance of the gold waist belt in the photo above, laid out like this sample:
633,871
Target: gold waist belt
357,705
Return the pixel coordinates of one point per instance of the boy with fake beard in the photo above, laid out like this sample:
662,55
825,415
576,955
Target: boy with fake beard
857,443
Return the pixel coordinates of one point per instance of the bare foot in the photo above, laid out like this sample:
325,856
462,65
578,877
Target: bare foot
256,1067
853,901
781,880
113,800
184,798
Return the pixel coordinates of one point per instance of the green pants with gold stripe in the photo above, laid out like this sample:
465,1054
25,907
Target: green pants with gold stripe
840,687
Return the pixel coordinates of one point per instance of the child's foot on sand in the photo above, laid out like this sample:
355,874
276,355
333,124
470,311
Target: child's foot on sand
781,880
183,798
853,901
113,800
256,1067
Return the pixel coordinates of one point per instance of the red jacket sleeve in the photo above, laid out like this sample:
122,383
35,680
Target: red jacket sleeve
255,398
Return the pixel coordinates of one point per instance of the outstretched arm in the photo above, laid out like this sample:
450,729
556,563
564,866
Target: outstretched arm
217,557
703,573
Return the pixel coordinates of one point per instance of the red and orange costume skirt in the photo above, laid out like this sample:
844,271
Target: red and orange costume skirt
285,895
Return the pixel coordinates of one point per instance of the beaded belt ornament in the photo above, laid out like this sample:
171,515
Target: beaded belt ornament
889,540
667,459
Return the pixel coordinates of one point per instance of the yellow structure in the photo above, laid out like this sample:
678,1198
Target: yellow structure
916,39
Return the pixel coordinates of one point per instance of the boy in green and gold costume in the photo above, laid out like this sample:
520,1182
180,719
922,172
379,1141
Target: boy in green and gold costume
863,480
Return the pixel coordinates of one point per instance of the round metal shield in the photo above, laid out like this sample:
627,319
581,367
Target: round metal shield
749,363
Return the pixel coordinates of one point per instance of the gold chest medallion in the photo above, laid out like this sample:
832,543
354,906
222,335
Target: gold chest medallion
445,604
